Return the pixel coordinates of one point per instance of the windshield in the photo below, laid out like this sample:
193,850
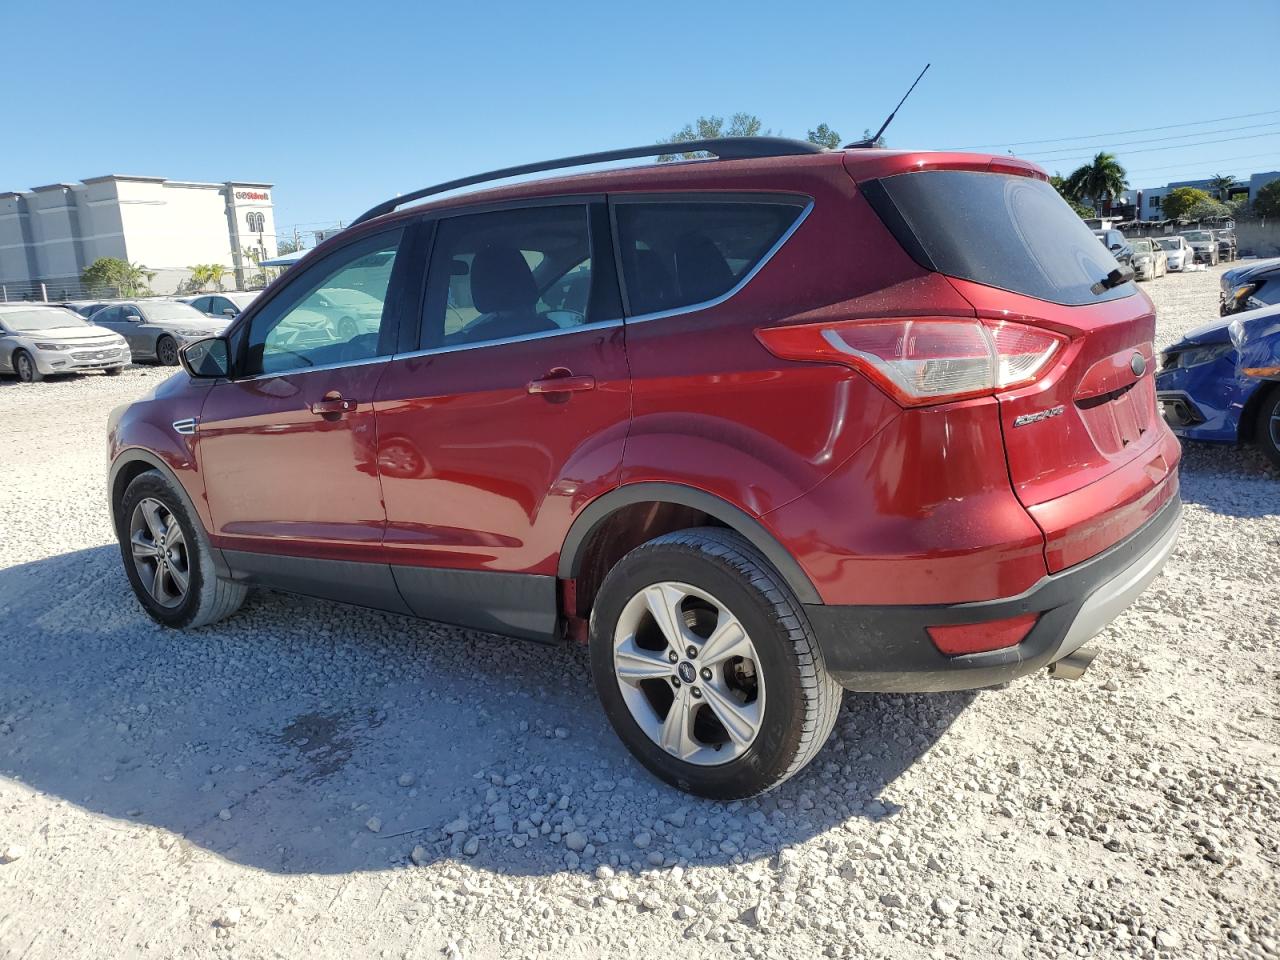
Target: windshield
1168,244
241,300
171,311
1199,235
41,318
1141,246
1005,231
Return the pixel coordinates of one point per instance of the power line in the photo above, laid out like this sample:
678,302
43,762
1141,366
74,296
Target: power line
1205,163
1178,136
1116,133
1180,146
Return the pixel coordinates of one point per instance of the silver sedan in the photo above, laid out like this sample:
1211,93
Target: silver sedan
156,329
38,340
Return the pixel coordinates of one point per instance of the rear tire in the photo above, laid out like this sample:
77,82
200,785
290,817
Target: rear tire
24,365
1266,431
167,556
167,351
756,702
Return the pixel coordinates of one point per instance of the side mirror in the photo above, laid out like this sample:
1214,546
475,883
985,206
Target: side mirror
228,311
1115,246
207,359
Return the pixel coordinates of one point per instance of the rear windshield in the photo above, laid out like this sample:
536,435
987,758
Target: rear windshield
1000,230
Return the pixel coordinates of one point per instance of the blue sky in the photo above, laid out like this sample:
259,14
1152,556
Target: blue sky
343,105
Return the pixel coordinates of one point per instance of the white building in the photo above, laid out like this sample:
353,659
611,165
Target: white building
1153,197
49,234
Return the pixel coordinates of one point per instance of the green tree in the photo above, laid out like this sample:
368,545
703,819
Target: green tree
217,272
111,273
1098,181
1204,209
709,128
824,136
288,246
1219,184
1267,202
1177,203
199,278
1059,183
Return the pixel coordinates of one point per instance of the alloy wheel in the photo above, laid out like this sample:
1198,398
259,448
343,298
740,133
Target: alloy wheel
26,368
689,673
168,352
160,553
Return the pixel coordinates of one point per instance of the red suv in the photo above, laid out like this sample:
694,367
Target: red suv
755,427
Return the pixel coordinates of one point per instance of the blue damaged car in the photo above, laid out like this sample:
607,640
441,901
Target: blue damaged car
1221,382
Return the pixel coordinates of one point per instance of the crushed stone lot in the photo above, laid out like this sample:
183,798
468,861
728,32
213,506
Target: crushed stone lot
307,779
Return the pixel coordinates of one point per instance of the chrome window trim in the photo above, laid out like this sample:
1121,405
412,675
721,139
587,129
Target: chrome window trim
543,335
732,291
299,371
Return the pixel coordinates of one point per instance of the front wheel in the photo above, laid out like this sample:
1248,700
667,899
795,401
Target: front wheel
25,367
167,351
167,556
1267,430
707,667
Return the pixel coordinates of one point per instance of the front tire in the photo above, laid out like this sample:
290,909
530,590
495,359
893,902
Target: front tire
167,351
707,667
167,556
113,371
24,365
1266,431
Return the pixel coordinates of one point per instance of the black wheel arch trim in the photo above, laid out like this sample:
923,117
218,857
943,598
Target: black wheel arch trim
596,512
132,455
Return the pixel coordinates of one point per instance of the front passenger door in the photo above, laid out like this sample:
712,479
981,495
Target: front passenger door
512,417
288,445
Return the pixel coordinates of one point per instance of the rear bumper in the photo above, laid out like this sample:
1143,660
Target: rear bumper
887,648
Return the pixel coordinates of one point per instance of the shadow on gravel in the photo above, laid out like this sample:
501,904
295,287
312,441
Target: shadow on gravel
300,736
1232,481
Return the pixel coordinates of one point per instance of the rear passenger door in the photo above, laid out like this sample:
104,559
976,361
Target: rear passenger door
701,273
508,415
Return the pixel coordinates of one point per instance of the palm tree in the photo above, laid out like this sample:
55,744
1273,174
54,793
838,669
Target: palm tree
1219,184
1103,179
199,275
216,274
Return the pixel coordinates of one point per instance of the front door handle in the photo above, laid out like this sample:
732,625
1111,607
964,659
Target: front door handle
333,404
561,380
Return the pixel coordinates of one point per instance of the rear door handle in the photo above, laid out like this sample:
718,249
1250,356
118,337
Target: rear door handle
333,403
562,384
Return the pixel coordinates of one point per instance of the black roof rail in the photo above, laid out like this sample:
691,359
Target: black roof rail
725,148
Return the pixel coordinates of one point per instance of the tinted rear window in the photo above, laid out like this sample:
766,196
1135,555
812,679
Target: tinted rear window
681,253
999,230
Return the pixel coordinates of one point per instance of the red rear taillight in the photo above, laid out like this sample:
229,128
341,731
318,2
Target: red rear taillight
982,637
924,360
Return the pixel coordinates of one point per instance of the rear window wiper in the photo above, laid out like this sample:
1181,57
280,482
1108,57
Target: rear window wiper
1113,279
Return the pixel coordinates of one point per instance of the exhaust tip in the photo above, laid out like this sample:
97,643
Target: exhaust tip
1073,665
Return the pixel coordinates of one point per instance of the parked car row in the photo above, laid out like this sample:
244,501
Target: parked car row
39,340
1151,257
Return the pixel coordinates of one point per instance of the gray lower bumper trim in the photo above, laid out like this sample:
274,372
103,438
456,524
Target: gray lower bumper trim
1109,600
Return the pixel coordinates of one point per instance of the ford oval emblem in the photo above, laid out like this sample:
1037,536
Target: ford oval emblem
1138,364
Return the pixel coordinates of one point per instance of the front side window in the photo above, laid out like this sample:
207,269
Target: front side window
510,273
333,313
681,253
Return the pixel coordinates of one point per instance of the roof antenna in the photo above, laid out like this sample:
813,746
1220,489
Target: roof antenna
871,141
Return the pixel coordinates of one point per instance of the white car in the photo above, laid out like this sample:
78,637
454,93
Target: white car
1149,259
38,340
1178,251
1204,245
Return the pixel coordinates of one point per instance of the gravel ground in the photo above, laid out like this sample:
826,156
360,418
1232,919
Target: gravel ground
310,778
